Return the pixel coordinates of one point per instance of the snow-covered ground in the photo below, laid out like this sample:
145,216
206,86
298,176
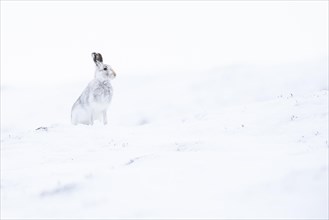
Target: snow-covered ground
241,141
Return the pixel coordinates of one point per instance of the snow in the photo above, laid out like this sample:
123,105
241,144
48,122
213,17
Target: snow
218,112
171,149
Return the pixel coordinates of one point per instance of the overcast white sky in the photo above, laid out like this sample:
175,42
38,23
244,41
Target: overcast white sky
52,41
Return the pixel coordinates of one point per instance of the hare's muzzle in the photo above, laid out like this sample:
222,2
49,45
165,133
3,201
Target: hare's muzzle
114,74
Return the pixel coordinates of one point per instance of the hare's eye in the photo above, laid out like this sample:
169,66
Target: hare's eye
105,68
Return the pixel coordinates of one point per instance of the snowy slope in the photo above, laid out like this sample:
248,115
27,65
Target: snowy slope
239,141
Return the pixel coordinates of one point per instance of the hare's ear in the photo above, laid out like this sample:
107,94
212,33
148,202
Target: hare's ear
97,57
93,55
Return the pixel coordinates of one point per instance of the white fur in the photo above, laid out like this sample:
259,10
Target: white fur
94,101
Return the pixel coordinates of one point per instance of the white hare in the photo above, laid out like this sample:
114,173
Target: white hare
95,99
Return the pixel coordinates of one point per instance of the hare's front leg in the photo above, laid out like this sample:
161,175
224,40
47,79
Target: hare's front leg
91,119
104,117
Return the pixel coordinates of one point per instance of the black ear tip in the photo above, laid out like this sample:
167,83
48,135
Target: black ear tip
93,55
97,57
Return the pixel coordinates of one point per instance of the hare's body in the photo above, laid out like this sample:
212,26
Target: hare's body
93,103
95,99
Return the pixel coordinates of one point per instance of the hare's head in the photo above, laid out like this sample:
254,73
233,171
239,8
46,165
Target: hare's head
103,71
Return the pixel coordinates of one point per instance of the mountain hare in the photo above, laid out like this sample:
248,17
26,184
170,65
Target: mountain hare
95,99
